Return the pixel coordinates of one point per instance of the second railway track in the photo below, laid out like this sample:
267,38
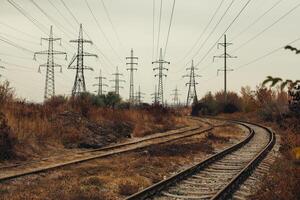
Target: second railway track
219,176
46,164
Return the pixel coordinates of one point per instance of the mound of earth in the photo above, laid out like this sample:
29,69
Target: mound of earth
78,131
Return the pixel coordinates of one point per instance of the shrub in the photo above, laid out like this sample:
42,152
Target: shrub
6,140
128,188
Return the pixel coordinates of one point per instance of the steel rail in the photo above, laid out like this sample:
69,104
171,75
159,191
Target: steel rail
116,149
225,192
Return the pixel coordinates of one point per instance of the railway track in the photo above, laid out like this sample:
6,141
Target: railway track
220,175
46,164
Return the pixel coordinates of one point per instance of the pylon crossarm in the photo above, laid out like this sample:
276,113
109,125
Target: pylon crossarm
58,52
90,54
88,68
81,40
50,39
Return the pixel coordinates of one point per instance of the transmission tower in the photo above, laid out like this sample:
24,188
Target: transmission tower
225,56
117,81
50,65
79,83
2,67
160,75
176,96
192,92
155,96
132,62
139,96
100,84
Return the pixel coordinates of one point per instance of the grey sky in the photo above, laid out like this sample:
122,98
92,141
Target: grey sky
132,20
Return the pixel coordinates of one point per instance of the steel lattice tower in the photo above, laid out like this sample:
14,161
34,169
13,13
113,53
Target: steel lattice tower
192,92
100,84
79,83
160,68
117,81
225,56
131,69
155,96
50,65
139,96
176,96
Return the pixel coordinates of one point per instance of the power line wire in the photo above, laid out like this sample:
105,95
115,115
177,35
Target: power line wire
203,32
256,20
267,28
170,24
41,27
111,23
101,30
229,26
159,24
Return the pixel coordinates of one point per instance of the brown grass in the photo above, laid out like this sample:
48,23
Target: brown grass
115,177
37,130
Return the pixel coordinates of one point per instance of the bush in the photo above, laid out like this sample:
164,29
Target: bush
127,188
6,140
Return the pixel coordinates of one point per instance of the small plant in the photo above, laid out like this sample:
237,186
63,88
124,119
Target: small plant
128,188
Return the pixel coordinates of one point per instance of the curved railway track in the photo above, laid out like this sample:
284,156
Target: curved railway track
220,175
46,164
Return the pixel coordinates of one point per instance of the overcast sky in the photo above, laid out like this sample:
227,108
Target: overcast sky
133,28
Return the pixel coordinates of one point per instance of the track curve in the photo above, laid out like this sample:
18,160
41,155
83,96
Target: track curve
218,176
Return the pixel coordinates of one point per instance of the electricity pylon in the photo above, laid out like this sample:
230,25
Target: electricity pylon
192,92
131,62
79,83
160,75
139,96
100,84
117,81
225,55
176,96
50,65
155,96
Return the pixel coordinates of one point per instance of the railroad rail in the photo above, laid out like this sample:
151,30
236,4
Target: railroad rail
218,176
46,164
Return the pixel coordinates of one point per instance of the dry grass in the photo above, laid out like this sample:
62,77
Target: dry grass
37,130
115,177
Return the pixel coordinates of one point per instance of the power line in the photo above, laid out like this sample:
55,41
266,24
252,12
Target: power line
15,45
256,20
28,16
204,31
111,23
169,29
101,30
61,27
18,30
153,28
267,28
62,15
75,19
213,30
266,55
159,23
229,26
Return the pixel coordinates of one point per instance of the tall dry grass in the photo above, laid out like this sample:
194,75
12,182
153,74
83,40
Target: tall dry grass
61,122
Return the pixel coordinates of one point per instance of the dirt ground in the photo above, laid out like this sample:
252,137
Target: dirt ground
118,176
